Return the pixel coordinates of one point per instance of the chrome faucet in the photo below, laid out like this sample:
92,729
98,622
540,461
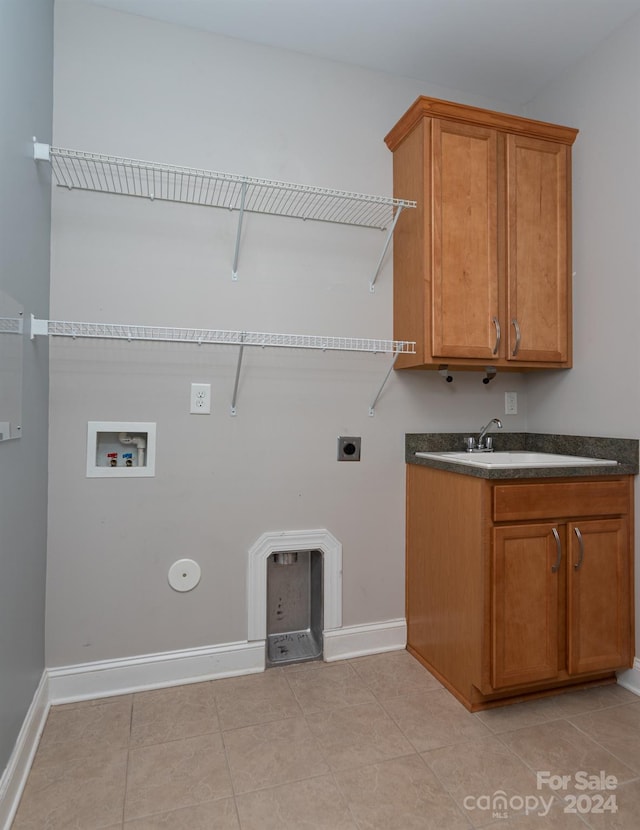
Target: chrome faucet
482,443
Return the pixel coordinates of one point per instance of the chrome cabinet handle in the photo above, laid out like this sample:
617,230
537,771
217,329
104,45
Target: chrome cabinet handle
496,323
555,568
516,326
576,530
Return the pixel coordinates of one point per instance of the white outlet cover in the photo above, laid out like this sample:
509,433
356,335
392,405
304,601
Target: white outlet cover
184,575
200,403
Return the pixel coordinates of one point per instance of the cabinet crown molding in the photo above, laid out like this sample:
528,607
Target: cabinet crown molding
424,107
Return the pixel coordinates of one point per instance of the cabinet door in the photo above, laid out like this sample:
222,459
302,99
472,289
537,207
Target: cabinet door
465,247
526,562
537,250
599,618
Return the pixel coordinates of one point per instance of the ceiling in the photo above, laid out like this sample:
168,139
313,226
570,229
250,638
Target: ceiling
502,49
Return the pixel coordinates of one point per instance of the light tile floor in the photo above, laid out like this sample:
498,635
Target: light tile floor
374,743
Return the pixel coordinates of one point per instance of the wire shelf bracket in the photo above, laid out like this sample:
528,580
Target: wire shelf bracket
234,411
236,253
372,408
76,169
372,284
221,337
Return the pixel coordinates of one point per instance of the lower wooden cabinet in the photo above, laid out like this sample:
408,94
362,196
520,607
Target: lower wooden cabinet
525,606
599,595
518,588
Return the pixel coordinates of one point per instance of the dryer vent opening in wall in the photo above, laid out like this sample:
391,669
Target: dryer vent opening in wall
319,558
294,607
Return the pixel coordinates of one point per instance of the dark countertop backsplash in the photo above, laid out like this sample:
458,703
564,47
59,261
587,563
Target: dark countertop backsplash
623,450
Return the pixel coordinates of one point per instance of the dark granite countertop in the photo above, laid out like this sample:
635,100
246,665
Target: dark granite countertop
623,450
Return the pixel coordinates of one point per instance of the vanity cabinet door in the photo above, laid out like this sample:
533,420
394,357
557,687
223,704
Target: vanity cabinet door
526,575
598,595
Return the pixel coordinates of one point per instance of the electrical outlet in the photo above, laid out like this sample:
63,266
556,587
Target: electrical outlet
510,403
200,399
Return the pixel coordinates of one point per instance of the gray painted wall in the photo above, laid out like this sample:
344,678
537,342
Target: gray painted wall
26,59
174,94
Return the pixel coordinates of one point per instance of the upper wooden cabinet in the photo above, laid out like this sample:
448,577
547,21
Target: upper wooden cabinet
482,268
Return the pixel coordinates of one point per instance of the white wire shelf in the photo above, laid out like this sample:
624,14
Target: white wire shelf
173,183
221,337
77,169
120,331
11,325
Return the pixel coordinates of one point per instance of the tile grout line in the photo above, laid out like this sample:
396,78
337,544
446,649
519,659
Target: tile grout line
558,798
444,789
126,771
603,747
228,764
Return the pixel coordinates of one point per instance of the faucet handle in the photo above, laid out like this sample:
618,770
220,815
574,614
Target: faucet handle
470,441
488,442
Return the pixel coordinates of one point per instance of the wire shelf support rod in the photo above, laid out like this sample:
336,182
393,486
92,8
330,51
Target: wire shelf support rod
372,408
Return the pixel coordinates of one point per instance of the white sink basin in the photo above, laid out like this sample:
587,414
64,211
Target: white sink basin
516,460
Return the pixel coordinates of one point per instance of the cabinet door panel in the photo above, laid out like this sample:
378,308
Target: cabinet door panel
537,250
465,227
599,624
524,606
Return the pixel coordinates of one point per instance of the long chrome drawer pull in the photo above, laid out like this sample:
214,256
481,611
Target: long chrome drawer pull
555,568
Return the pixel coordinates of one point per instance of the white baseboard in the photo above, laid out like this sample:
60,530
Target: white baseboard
359,640
15,775
630,678
106,678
